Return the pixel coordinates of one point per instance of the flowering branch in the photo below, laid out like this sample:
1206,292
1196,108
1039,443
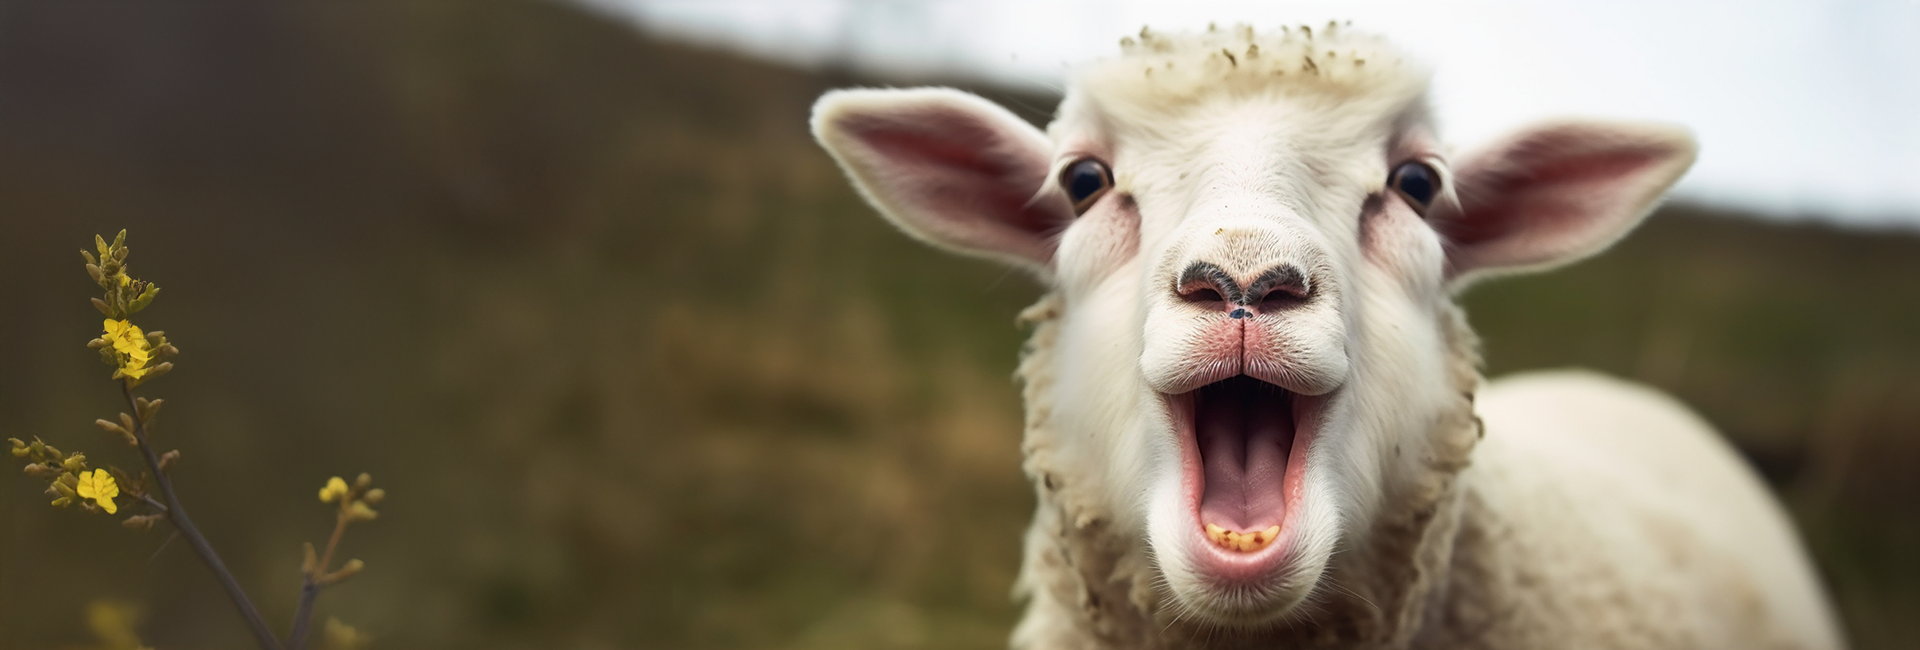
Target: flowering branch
138,357
355,505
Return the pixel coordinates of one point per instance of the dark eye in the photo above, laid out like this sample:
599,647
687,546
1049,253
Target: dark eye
1416,181
1085,180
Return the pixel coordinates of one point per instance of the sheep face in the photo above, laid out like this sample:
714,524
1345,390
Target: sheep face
1253,244
1269,309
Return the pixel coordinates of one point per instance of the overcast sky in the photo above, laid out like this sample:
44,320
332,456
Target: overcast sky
1802,107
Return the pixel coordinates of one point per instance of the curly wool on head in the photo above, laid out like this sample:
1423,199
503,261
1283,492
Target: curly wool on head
1159,69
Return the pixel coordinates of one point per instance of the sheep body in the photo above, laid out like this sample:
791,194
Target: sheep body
1602,510
1563,510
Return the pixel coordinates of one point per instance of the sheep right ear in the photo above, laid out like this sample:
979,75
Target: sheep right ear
1556,193
949,168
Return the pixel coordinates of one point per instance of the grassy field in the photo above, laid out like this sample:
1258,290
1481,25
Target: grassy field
639,370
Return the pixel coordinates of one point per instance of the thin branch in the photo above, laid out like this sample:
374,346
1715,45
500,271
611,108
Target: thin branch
178,517
326,557
303,615
163,546
310,586
162,509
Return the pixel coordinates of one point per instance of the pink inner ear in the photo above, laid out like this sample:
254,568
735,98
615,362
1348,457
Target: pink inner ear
960,178
1543,203
1559,193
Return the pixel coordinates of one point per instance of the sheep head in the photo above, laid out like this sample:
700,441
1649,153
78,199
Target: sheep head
1254,241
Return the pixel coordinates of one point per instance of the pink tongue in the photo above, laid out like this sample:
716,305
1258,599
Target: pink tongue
1245,431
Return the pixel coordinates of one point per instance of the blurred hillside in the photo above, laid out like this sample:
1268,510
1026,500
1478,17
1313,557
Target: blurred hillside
639,370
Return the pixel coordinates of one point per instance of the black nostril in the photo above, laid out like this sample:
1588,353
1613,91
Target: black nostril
1206,283
1279,286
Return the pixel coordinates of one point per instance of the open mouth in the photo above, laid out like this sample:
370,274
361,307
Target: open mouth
1243,438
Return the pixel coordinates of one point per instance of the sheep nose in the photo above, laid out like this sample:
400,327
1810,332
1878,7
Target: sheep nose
1207,285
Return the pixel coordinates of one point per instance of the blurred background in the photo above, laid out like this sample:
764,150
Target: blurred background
638,370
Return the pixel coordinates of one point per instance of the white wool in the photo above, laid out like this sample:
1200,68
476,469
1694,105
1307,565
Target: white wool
1160,70
1562,510
1408,571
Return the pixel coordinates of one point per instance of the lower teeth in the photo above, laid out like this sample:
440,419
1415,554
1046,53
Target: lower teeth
1252,540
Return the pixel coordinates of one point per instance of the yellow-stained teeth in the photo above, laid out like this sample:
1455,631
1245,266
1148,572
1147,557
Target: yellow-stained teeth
1246,542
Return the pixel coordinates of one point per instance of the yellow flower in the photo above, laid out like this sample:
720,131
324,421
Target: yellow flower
130,346
100,487
336,489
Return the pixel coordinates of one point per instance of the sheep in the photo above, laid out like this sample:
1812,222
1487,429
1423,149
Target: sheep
1255,413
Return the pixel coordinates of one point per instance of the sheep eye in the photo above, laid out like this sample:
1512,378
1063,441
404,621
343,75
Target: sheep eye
1085,181
1416,181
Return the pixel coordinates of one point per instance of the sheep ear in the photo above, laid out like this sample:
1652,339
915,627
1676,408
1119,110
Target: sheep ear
949,168
1557,193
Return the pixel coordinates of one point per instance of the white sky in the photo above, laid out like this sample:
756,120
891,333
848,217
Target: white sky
1803,108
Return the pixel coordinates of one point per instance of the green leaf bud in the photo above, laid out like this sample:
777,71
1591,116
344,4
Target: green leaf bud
346,571
146,298
147,408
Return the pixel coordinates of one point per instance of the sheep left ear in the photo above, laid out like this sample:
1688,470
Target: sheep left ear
949,168
1556,193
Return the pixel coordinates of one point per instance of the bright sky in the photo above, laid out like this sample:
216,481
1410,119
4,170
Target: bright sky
1803,108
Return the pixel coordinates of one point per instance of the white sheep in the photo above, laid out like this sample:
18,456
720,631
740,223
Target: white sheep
1255,416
